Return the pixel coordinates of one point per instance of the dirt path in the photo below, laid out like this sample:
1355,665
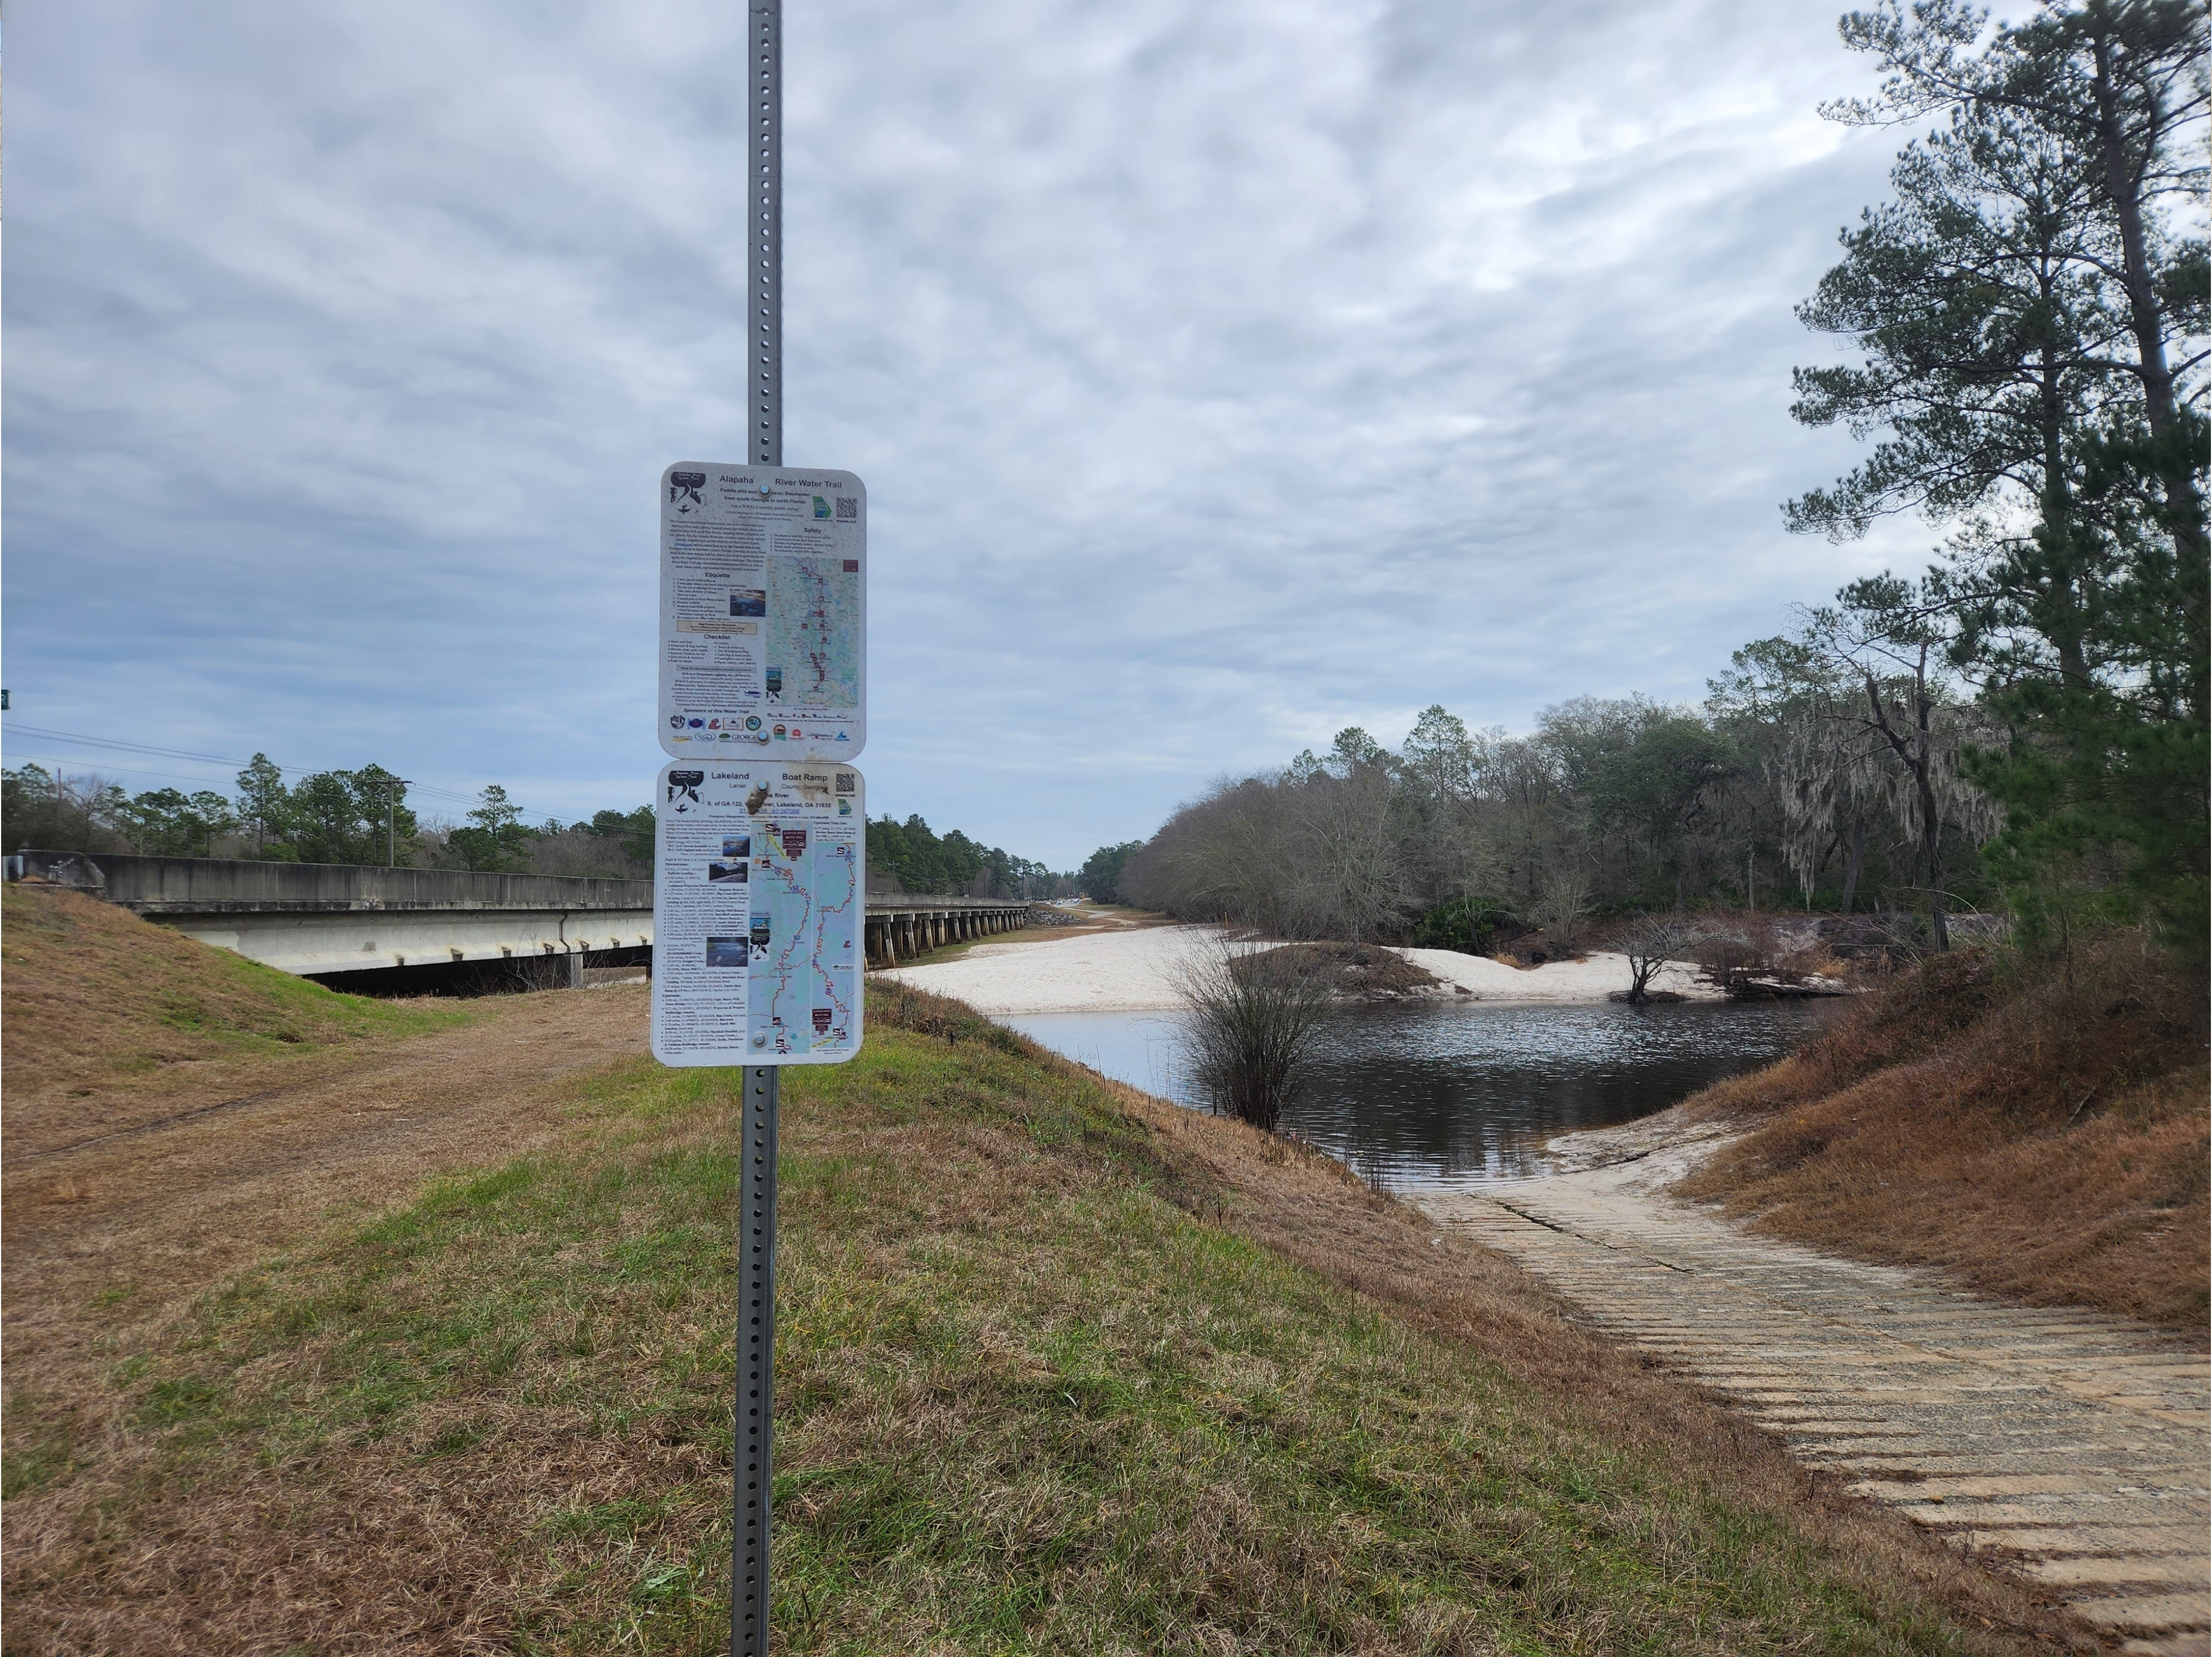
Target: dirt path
2074,1442
108,1224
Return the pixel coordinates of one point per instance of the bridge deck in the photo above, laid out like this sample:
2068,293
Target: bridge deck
315,918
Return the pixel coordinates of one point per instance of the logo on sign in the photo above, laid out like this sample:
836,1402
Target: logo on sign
683,787
684,490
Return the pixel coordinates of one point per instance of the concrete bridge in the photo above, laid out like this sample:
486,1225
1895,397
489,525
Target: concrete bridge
318,919
901,926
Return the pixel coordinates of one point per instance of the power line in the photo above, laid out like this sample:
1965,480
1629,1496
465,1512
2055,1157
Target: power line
134,747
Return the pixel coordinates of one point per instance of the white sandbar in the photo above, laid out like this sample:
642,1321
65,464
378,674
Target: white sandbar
1135,972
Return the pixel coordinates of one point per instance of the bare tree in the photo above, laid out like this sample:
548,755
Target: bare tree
1565,901
1650,944
1351,876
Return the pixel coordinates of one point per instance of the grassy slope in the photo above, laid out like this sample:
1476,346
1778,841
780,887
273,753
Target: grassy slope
1035,1393
97,998
2040,1131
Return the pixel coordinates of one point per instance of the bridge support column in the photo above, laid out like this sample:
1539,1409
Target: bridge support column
575,969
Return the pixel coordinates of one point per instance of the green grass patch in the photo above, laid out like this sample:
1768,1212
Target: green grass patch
242,1004
1025,1403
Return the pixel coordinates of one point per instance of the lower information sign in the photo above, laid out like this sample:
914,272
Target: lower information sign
760,898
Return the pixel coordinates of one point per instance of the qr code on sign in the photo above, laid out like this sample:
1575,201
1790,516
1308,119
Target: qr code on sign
845,782
848,507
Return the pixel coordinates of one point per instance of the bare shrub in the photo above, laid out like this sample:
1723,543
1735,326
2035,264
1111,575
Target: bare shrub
1251,1018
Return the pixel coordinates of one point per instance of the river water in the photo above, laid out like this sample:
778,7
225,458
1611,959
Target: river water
1455,1095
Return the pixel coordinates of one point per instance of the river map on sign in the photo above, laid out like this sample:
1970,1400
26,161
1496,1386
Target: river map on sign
814,630
804,971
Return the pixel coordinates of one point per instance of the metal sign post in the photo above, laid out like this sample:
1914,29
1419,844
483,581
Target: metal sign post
756,1420
757,1193
749,1502
764,269
754,1437
760,884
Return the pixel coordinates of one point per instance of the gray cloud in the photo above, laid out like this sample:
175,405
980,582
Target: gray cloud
1221,375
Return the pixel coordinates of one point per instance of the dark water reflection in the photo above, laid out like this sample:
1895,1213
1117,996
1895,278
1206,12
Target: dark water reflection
1427,1095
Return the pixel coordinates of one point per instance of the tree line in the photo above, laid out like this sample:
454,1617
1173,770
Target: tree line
2023,723
912,857
362,816
358,817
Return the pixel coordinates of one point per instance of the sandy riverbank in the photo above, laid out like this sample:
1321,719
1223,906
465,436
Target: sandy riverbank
1136,972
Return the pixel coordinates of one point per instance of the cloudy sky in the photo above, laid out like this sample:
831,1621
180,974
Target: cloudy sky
1222,374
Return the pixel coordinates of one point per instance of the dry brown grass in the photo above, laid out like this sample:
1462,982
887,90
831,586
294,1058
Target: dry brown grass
110,1022
2038,1130
497,1418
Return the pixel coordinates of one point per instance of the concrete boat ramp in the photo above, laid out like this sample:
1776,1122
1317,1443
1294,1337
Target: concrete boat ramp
2072,1445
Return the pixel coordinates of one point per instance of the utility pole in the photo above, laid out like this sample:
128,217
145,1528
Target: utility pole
392,788
753,1440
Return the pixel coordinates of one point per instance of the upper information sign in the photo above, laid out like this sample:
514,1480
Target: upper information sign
760,886
764,612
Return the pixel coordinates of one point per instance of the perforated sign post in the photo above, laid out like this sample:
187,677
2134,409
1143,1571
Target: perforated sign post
759,889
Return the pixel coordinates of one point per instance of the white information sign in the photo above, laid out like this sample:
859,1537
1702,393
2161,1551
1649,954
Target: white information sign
760,891
764,612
